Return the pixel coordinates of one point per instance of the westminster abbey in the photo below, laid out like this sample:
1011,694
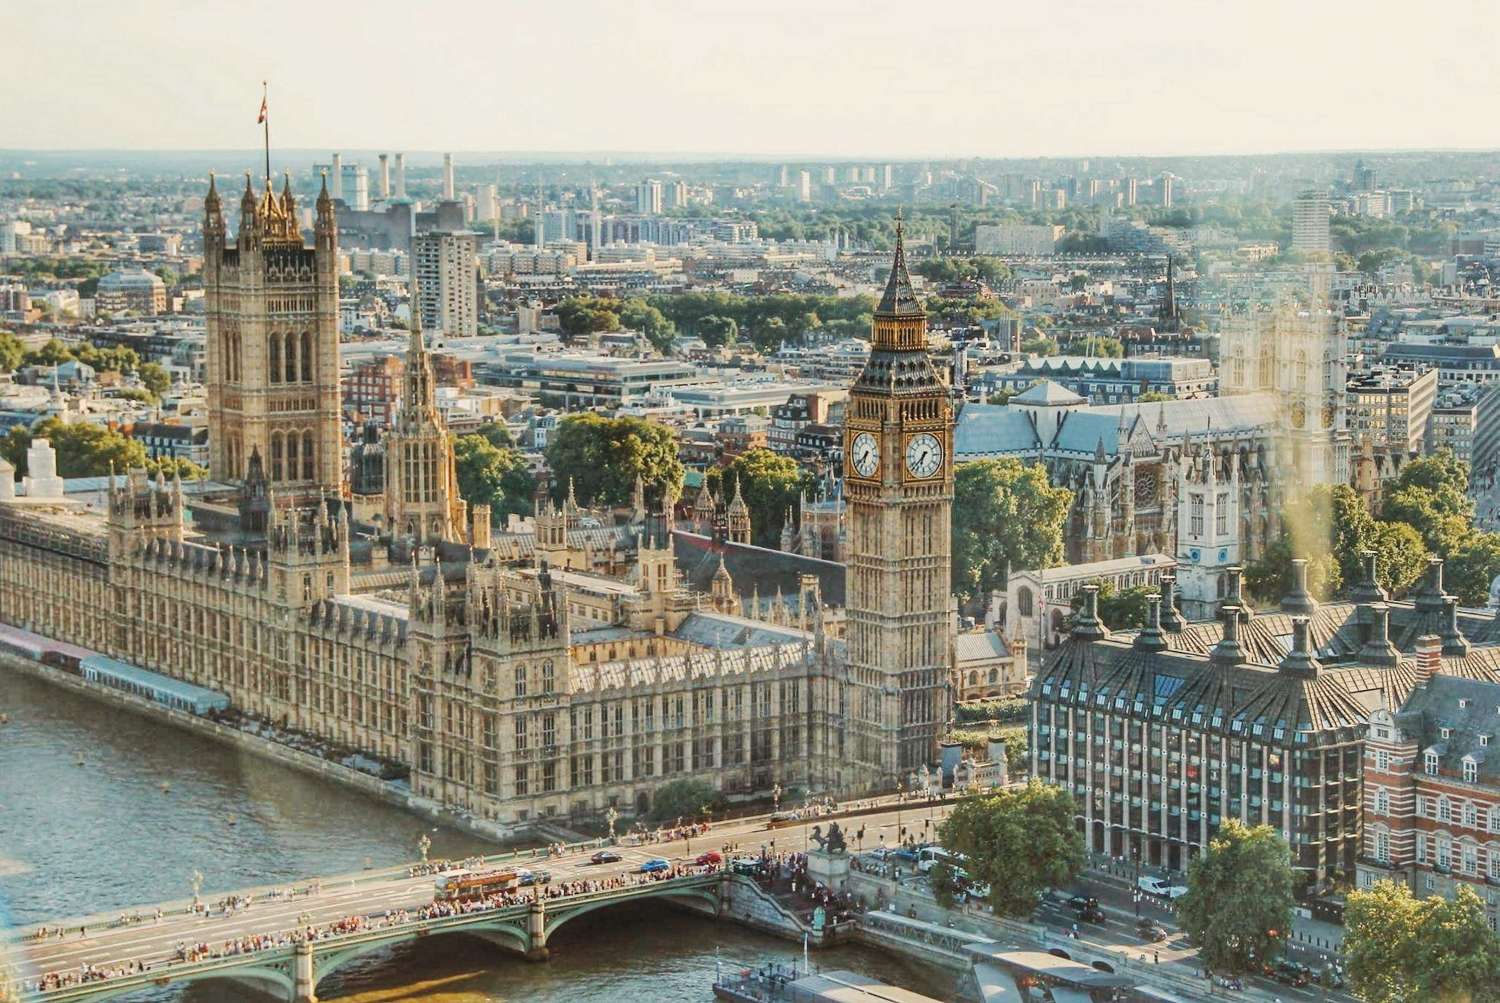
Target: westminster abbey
515,682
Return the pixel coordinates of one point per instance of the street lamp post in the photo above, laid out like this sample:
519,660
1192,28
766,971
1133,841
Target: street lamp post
776,796
900,796
197,882
1135,855
612,816
423,845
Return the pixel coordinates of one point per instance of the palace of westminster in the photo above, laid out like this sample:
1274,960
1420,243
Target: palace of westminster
579,665
516,678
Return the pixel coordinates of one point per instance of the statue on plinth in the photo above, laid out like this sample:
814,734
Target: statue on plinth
831,843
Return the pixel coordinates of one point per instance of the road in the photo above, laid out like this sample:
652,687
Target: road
101,942
1118,933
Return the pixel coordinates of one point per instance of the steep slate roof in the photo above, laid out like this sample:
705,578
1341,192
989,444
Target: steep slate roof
754,569
1046,392
1468,708
999,429
899,300
993,431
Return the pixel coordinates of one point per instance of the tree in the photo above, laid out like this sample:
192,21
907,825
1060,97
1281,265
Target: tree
1006,515
1238,907
638,315
1152,397
717,331
944,883
50,354
603,456
770,484
155,378
1120,610
685,799
492,475
82,450
1403,556
1269,577
1431,496
1470,571
1040,345
175,466
11,352
1019,841
496,434
1401,948
582,315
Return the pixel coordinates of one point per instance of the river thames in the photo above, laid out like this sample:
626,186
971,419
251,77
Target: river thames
101,809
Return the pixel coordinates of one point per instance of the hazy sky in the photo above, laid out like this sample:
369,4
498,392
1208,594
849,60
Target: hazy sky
762,77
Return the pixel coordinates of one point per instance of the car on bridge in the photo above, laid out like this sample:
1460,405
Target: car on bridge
606,857
710,857
1160,887
1090,912
746,865
1150,929
655,864
534,877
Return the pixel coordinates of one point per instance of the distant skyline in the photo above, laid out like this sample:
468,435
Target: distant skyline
839,79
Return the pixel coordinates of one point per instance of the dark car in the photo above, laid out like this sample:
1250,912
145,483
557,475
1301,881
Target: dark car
605,857
1290,973
1151,930
1092,914
535,877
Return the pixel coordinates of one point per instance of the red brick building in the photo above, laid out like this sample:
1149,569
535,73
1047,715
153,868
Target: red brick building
1432,779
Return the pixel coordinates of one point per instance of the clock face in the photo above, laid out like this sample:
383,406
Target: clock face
924,455
864,453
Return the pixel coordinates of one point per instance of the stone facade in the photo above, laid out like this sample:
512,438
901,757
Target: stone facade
558,669
898,471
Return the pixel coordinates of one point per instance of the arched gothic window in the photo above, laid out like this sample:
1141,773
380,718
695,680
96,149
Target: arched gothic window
273,359
307,456
291,358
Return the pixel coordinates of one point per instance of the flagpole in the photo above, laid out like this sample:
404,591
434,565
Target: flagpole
264,103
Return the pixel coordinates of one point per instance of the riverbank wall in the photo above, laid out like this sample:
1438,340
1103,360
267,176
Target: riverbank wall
391,792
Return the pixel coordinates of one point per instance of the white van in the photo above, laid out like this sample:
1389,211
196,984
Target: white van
930,856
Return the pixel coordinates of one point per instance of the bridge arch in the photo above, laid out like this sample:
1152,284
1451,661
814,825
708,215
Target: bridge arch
508,936
279,981
560,914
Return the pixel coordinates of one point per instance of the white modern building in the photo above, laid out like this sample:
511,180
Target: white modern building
446,268
1310,223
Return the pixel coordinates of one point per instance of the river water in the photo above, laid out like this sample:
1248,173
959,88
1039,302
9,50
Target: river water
150,805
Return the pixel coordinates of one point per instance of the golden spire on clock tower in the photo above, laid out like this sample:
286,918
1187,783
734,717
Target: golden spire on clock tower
900,322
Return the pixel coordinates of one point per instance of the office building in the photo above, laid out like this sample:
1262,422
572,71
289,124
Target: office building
1162,734
356,187
648,197
130,290
1391,407
804,186
1016,238
1310,223
446,268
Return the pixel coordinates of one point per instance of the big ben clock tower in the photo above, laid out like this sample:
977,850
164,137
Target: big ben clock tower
898,469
